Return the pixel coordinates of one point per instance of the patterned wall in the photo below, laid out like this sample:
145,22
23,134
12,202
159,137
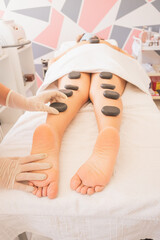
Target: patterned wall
48,23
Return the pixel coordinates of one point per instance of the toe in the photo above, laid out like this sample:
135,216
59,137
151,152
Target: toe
79,188
90,191
75,182
39,192
98,188
84,190
35,190
52,190
44,191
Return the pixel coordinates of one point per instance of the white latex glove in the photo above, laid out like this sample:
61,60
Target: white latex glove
16,169
35,103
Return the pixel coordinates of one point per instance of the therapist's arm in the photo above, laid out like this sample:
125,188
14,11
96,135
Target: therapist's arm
3,94
13,99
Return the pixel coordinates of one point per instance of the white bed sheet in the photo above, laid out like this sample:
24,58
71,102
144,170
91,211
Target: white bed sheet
128,208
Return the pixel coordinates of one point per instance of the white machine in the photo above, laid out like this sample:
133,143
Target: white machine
11,35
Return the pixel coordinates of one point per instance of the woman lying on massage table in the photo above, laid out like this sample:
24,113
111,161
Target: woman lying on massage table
104,89
16,169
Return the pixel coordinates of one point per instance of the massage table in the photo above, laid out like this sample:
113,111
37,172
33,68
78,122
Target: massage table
129,206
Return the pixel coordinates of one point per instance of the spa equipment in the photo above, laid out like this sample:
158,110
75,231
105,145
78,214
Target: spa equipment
12,34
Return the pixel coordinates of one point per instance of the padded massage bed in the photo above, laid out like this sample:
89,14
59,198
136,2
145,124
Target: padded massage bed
129,206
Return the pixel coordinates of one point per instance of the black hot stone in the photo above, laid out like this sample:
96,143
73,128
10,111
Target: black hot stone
106,75
71,87
61,107
111,94
74,75
67,92
107,86
94,40
110,111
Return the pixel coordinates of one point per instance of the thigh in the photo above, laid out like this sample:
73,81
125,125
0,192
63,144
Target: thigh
83,83
99,84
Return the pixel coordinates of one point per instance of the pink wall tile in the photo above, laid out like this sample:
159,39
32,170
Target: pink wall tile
1,14
39,81
50,35
128,45
104,33
93,12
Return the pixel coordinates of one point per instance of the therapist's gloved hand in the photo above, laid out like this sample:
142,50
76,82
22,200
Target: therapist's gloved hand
13,171
35,103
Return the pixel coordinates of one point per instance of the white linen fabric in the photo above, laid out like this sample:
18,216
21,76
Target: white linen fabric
128,208
97,58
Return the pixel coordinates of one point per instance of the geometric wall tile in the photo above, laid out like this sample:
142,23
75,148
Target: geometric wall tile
69,31
50,35
7,2
104,33
155,28
39,70
156,4
70,18
128,45
39,50
71,9
41,13
93,12
58,4
158,52
109,18
129,6
39,80
120,34
1,14
142,16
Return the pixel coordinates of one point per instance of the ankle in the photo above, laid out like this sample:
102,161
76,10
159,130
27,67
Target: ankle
108,139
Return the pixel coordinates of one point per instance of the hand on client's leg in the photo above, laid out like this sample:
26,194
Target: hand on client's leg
47,137
96,172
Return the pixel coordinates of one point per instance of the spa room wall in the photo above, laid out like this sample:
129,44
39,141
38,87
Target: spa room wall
48,23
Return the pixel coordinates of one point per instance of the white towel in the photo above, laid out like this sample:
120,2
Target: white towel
98,58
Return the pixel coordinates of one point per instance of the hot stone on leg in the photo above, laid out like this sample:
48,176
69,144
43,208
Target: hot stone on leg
71,87
106,75
74,75
110,111
67,92
111,94
61,107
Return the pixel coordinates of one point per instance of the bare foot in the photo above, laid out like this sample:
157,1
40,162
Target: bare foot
96,172
45,141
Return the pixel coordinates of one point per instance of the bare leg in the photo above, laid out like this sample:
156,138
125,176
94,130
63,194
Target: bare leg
47,137
96,172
